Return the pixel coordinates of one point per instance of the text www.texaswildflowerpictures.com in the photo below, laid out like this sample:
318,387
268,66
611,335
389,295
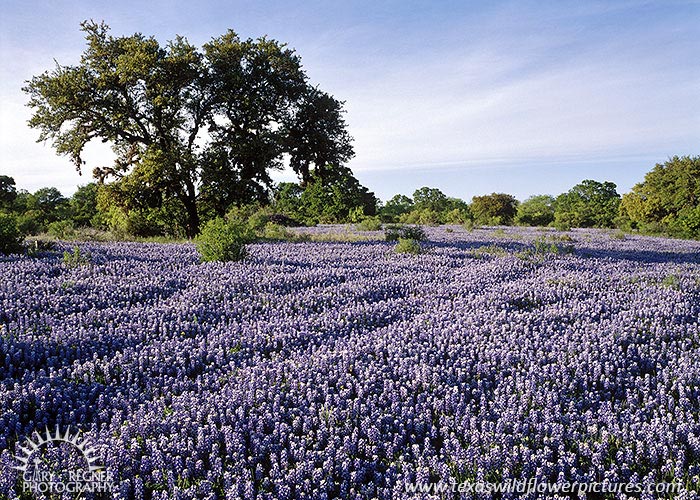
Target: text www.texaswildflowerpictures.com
532,486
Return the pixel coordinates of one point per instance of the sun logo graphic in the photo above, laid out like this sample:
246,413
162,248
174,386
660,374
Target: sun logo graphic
61,463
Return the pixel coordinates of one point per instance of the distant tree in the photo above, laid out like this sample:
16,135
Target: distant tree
50,203
83,205
333,197
427,198
8,191
317,136
494,208
287,198
198,128
588,204
398,205
667,200
537,210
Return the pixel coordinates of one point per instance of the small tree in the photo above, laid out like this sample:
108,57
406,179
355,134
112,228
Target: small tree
537,210
588,204
494,208
223,240
427,198
8,192
83,205
10,236
667,200
396,207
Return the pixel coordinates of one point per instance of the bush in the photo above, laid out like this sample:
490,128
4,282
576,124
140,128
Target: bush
276,232
458,216
76,258
11,237
223,240
369,224
422,216
408,245
469,226
394,233
284,220
62,230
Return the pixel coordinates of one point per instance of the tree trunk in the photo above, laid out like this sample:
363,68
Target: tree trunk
192,225
189,200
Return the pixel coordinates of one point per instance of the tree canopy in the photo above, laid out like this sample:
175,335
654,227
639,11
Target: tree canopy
588,204
537,210
494,208
8,191
668,199
201,129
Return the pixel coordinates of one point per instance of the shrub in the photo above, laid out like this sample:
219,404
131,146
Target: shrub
422,216
273,231
369,224
284,220
394,233
10,236
223,240
458,216
408,245
62,230
618,235
544,246
76,258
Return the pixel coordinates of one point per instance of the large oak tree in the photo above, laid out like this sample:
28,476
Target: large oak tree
201,127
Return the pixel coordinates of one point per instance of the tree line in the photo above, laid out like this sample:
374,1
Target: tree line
196,134
666,202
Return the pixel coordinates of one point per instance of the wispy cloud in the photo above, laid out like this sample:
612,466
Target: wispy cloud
434,86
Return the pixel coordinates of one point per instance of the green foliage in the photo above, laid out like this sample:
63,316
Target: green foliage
37,210
408,245
333,195
276,232
397,232
618,235
430,198
588,204
223,240
394,208
494,209
668,200
537,210
431,207
543,246
29,222
424,216
11,237
83,205
8,192
248,100
287,199
672,281
459,216
76,258
370,224
62,230
317,136
130,208
469,225
493,250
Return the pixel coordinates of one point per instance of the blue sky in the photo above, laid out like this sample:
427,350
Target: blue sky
470,97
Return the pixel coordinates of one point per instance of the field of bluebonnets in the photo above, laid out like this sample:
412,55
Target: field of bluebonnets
344,370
